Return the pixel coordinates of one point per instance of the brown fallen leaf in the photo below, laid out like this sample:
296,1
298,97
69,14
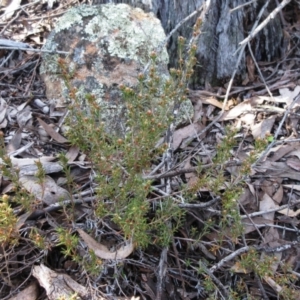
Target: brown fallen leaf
250,68
295,187
72,153
271,239
237,111
29,293
213,101
10,8
55,135
102,251
289,212
281,150
192,177
185,132
20,162
255,223
296,152
276,287
294,164
15,142
3,109
278,169
267,203
24,117
48,192
260,130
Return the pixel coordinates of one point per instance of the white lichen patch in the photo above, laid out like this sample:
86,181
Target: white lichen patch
127,33
186,112
74,16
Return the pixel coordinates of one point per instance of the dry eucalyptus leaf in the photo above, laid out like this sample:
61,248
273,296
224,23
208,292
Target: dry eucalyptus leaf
15,142
48,192
255,223
31,292
213,101
72,153
260,130
237,111
184,133
3,109
192,177
271,237
287,96
267,203
20,162
296,152
49,167
276,287
294,164
24,117
280,151
55,135
10,9
295,187
102,251
289,212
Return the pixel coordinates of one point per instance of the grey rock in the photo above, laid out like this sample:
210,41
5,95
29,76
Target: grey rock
109,45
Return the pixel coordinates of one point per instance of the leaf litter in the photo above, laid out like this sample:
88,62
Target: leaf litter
269,204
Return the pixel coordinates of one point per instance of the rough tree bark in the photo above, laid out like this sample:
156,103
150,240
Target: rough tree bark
222,31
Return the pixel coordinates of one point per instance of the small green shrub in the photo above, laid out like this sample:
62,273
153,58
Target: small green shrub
123,195
119,161
9,234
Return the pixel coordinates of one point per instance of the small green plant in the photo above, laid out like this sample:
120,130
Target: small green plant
124,196
71,297
119,161
70,184
68,240
38,239
20,195
253,261
8,223
69,243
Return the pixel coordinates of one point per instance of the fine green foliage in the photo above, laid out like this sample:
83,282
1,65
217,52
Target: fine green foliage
124,197
8,221
119,161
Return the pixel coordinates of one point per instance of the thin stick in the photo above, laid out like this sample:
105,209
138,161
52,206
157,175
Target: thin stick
241,6
266,152
265,22
35,50
216,281
229,258
165,41
230,82
259,213
259,71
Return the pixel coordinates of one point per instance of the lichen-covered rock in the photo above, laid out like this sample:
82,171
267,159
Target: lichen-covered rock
109,45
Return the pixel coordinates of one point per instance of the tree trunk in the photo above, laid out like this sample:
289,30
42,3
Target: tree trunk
222,31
